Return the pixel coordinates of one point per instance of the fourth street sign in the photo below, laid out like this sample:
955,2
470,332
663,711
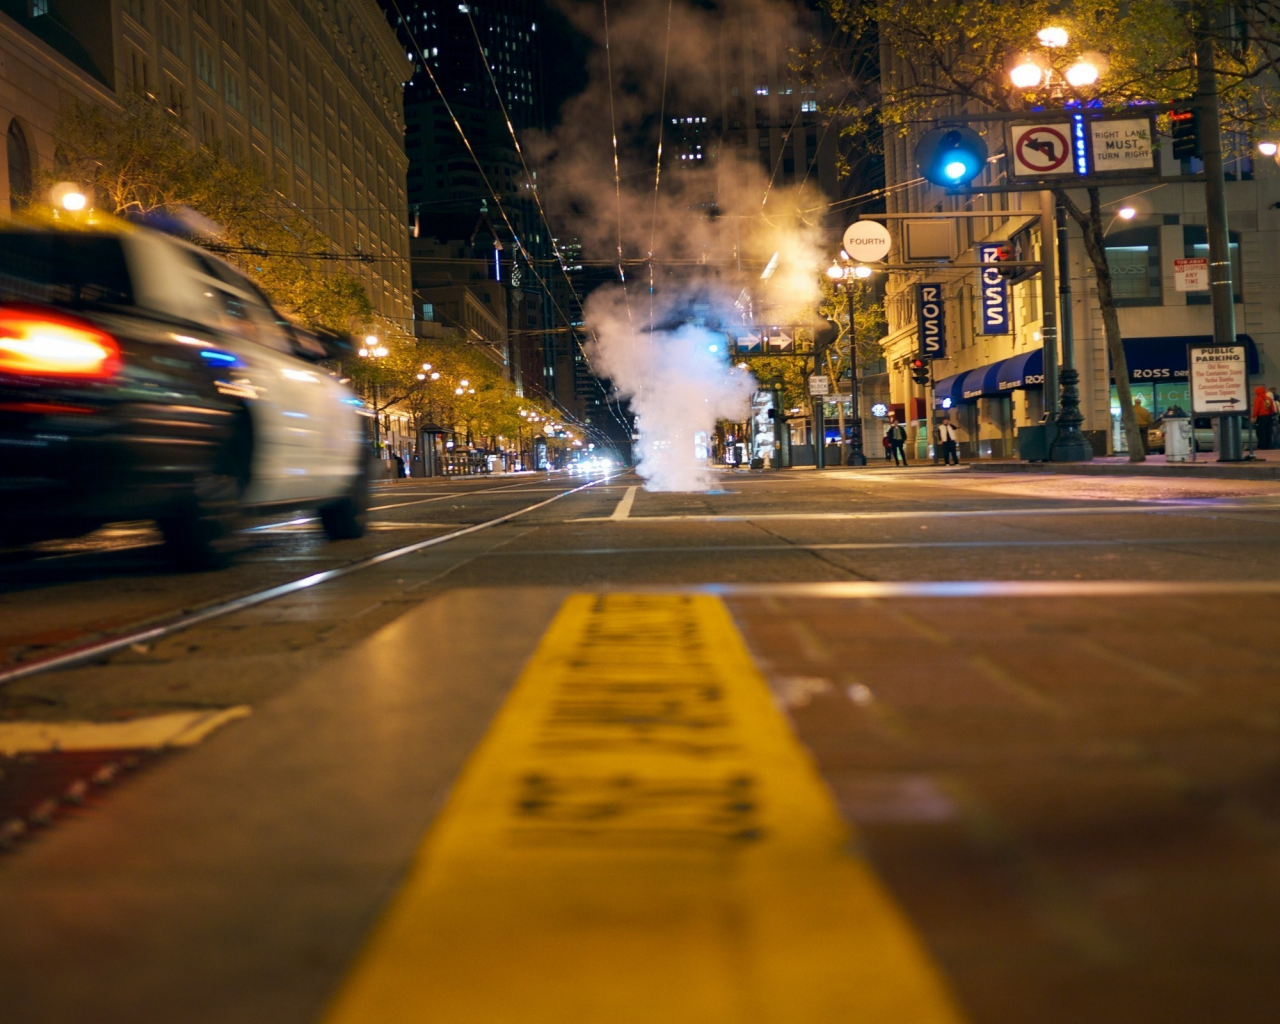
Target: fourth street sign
931,321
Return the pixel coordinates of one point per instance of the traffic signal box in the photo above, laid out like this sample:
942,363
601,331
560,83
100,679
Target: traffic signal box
920,370
1186,133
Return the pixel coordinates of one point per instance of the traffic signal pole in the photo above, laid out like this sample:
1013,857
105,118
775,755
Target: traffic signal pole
1221,290
1049,302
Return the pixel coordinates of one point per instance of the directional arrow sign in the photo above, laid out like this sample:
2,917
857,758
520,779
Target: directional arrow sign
1219,380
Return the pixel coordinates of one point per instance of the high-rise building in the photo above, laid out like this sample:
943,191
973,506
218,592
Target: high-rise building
308,93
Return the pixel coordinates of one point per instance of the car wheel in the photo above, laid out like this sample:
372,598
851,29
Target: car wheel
347,518
201,532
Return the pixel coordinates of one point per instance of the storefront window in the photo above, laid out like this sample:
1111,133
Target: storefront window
1133,257
1195,242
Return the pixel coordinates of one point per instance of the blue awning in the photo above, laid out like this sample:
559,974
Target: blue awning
1025,370
945,391
1164,360
985,380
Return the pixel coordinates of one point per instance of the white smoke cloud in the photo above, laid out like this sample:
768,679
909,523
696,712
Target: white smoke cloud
678,384
699,239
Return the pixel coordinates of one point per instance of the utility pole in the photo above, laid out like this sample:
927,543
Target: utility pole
1221,290
1049,303
857,457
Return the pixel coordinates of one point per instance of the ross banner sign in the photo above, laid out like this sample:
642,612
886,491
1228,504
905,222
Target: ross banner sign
1219,380
994,302
931,321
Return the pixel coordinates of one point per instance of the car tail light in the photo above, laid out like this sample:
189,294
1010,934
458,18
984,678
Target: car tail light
41,343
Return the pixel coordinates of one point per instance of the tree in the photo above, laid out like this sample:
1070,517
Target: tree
139,160
952,58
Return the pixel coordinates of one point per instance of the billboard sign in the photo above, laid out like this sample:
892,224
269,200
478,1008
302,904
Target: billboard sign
994,300
931,321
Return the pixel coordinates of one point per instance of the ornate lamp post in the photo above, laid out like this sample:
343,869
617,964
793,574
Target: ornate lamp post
374,350
1062,386
853,277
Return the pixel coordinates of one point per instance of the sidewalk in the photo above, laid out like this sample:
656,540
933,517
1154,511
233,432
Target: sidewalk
1261,467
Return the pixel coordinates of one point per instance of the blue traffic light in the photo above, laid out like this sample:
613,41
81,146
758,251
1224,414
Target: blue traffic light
951,156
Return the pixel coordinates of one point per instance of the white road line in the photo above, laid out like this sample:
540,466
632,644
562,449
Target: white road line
623,511
1201,507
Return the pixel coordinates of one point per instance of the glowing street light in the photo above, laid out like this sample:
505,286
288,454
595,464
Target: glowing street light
1053,36
74,201
1082,74
835,271
1026,75
1126,213
862,271
1268,148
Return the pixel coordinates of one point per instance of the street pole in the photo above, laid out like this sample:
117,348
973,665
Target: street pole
1221,292
1049,302
1070,445
856,455
819,434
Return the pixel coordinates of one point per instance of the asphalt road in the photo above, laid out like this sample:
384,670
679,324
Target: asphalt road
1066,776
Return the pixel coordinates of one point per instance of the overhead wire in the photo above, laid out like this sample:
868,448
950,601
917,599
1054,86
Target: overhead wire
466,141
617,170
657,169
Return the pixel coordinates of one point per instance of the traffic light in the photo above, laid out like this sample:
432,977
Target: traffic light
823,337
1004,255
1186,133
951,156
920,370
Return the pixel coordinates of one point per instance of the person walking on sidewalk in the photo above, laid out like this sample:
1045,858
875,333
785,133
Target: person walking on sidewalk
949,443
897,439
1143,417
1264,416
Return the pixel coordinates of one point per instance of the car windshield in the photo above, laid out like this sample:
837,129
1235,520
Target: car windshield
62,267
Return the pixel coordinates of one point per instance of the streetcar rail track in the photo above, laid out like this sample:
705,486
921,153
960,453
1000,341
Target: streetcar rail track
183,620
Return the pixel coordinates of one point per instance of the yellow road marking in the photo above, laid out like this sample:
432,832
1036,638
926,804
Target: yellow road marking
640,838
176,729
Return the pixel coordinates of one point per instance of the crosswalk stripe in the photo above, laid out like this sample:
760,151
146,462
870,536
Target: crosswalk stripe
640,838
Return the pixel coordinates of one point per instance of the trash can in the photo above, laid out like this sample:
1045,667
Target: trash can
1179,445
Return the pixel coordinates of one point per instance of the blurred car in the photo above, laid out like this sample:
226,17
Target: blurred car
143,378
1203,433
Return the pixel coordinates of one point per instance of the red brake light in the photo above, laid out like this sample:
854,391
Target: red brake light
41,343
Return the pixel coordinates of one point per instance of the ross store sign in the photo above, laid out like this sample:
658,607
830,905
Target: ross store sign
1122,144
994,304
931,321
1191,275
1219,380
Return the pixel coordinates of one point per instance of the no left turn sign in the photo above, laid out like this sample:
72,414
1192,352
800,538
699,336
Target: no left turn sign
1042,150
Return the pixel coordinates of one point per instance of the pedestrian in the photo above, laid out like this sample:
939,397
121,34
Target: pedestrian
1264,416
1143,417
950,443
897,437
885,441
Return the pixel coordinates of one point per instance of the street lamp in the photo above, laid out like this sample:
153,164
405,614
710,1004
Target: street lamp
1126,213
375,351
1268,148
858,274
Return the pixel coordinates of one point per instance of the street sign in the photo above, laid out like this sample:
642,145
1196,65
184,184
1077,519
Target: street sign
1219,380
819,385
1191,274
1122,144
1042,150
994,304
931,321
867,241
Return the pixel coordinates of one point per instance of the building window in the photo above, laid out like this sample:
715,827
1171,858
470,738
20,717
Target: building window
279,134
139,72
1195,244
204,65
202,8
39,8
171,34
1133,257
19,167
136,9
258,112
175,97
231,91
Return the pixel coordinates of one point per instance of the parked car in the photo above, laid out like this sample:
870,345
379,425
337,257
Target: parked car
143,378
1202,430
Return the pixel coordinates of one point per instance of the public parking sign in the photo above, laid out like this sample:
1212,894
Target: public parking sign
1219,380
931,321
995,291
1042,150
